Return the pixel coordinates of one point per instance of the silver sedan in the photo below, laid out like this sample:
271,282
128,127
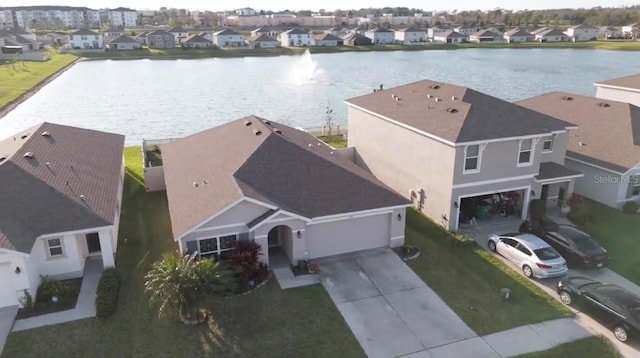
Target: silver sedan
534,256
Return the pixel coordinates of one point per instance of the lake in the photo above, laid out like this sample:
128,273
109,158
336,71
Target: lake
173,98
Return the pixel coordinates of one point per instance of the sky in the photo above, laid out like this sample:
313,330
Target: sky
278,5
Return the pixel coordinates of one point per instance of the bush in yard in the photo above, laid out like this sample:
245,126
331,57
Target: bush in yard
50,287
630,207
581,215
244,258
107,293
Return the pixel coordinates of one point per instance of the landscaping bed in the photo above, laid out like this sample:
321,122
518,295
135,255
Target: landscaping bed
469,279
66,300
154,157
407,252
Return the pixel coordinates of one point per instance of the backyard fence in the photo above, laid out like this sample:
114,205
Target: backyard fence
339,129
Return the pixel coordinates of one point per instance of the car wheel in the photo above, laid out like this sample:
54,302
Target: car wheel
566,298
620,333
528,272
492,245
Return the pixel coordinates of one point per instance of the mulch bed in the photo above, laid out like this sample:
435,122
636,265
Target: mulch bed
64,303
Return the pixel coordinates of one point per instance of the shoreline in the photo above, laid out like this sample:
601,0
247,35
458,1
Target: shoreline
4,110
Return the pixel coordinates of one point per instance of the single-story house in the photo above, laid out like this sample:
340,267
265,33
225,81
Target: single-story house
605,146
451,37
196,41
361,30
380,36
327,39
111,34
518,35
263,41
265,31
228,38
551,35
623,89
437,31
356,39
123,43
142,38
410,35
60,38
631,30
610,32
279,186
61,190
485,36
207,35
337,31
583,33
492,156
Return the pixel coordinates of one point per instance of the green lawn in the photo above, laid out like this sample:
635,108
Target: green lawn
596,346
336,141
618,233
270,322
19,78
469,276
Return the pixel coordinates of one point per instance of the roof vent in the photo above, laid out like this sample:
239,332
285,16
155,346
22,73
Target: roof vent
437,99
452,110
46,134
567,98
604,104
267,123
28,155
393,96
24,136
257,132
428,95
3,158
247,123
82,197
310,145
195,184
453,98
277,131
582,144
434,86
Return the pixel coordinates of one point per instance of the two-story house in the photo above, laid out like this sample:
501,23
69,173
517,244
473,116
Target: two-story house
228,38
411,35
583,33
85,39
380,36
295,37
179,34
623,89
437,31
450,149
160,39
111,34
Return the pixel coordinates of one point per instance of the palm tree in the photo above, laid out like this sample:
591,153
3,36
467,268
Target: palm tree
180,285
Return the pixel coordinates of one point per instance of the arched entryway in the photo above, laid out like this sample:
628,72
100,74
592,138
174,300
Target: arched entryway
280,243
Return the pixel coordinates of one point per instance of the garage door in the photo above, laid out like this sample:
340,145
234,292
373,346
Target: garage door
345,236
7,292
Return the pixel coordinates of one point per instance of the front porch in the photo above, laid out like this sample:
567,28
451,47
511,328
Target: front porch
281,268
555,183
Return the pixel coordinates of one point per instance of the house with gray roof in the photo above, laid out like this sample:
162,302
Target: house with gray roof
518,35
61,190
622,89
410,35
327,39
450,37
550,35
583,32
160,39
85,39
279,186
263,41
123,42
295,37
228,38
380,36
197,41
605,146
485,36
179,34
453,149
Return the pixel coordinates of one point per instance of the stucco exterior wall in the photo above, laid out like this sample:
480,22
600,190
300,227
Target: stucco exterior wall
404,160
597,184
242,213
559,148
620,95
70,265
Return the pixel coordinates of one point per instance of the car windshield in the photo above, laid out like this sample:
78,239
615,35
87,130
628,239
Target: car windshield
582,240
546,253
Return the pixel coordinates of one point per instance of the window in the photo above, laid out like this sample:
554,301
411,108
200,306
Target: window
55,247
635,185
525,156
547,145
472,158
524,249
217,246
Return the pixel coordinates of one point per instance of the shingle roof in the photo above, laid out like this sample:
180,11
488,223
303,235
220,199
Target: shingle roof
83,32
608,130
70,183
542,29
552,170
583,26
632,81
327,37
158,32
196,39
380,29
176,29
291,170
226,32
23,40
262,38
551,32
123,39
517,32
451,33
485,33
410,29
296,31
459,114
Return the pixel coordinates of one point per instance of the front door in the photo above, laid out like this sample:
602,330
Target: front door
545,193
93,242
561,194
274,237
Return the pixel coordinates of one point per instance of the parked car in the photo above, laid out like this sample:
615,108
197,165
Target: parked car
617,307
576,246
535,257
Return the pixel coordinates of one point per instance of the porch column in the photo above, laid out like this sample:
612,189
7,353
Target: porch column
570,188
106,248
525,204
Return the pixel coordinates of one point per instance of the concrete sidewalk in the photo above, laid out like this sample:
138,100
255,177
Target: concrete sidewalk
7,316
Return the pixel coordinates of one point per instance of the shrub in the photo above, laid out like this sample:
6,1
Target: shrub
581,215
107,293
630,207
537,208
575,200
244,258
50,287
27,300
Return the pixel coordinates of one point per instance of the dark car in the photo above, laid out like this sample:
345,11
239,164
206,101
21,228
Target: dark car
577,247
617,307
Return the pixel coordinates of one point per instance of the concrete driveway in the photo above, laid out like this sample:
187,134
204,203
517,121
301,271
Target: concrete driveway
7,316
392,312
605,275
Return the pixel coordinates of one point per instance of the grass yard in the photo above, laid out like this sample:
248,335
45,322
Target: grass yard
21,77
270,322
596,346
336,141
467,276
618,233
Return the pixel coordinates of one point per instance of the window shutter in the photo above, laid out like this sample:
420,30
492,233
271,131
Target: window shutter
192,246
243,236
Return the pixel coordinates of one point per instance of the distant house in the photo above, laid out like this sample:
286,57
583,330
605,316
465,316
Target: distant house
60,38
142,38
160,39
518,35
263,41
327,39
228,38
451,37
295,38
207,35
110,34
359,30
337,31
355,39
623,89
19,39
196,41
631,30
583,33
380,36
551,35
85,39
265,31
485,36
437,31
179,34
466,30
410,35
610,32
123,42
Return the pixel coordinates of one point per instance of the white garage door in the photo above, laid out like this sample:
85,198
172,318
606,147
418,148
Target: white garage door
7,292
345,236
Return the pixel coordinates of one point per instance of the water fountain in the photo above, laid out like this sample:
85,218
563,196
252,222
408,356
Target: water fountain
306,70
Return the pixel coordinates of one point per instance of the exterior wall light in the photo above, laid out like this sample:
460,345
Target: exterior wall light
299,234
18,270
399,217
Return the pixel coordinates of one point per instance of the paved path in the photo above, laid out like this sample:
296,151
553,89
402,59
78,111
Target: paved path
85,306
281,268
6,322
